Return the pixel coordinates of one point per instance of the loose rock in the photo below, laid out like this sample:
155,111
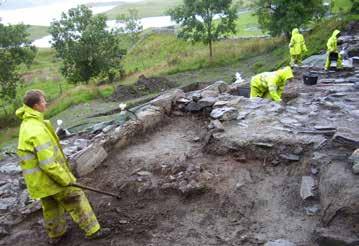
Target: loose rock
225,113
306,189
279,242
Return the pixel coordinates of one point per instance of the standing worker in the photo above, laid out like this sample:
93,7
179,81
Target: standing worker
271,85
297,47
332,50
47,174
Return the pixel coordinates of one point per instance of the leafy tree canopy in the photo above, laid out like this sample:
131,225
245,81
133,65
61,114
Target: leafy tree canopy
85,45
355,7
205,20
133,25
281,16
15,49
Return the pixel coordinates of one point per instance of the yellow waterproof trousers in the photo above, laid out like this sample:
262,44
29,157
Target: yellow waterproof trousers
296,59
339,61
255,92
72,200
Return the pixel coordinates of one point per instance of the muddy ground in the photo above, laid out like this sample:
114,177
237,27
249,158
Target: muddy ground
231,202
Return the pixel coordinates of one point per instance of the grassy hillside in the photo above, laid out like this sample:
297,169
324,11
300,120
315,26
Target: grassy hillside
247,25
37,32
150,8
341,6
146,8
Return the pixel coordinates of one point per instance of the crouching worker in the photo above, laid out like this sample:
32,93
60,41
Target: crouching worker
47,174
271,85
333,52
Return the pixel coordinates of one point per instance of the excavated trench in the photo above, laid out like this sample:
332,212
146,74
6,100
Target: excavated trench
177,191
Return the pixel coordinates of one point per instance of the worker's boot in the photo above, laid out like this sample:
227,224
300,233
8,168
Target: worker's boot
56,241
102,233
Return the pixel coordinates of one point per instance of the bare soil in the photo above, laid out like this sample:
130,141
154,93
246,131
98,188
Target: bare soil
232,200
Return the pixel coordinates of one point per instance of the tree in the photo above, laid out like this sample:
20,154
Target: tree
86,47
133,25
15,50
205,20
281,16
355,7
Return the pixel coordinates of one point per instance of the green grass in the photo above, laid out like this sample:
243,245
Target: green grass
146,8
151,8
165,54
341,6
247,25
37,32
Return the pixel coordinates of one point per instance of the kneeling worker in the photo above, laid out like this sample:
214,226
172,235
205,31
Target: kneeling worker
271,85
47,173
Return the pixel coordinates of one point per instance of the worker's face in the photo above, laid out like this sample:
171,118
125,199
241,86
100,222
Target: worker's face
41,106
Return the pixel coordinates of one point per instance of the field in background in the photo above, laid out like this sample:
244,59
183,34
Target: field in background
151,8
341,6
37,32
146,8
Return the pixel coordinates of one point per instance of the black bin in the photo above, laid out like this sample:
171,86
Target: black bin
310,79
333,56
244,91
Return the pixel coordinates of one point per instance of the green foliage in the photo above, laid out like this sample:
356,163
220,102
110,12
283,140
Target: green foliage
86,47
341,6
15,49
197,19
132,24
281,16
355,7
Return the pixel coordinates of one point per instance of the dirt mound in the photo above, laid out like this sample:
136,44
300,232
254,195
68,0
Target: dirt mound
142,87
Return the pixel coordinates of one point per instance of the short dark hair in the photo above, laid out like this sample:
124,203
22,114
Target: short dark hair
32,97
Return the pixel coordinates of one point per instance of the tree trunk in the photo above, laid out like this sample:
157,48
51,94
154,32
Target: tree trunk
60,89
287,35
210,49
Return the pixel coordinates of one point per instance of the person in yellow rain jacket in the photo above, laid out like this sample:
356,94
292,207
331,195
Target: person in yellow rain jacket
47,174
271,85
332,47
297,47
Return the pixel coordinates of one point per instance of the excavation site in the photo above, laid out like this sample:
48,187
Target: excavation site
210,166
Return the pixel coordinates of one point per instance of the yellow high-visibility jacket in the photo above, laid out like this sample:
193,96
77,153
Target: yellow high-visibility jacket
270,85
297,44
332,42
43,163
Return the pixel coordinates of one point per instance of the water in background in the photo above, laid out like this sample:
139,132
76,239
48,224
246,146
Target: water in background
43,15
